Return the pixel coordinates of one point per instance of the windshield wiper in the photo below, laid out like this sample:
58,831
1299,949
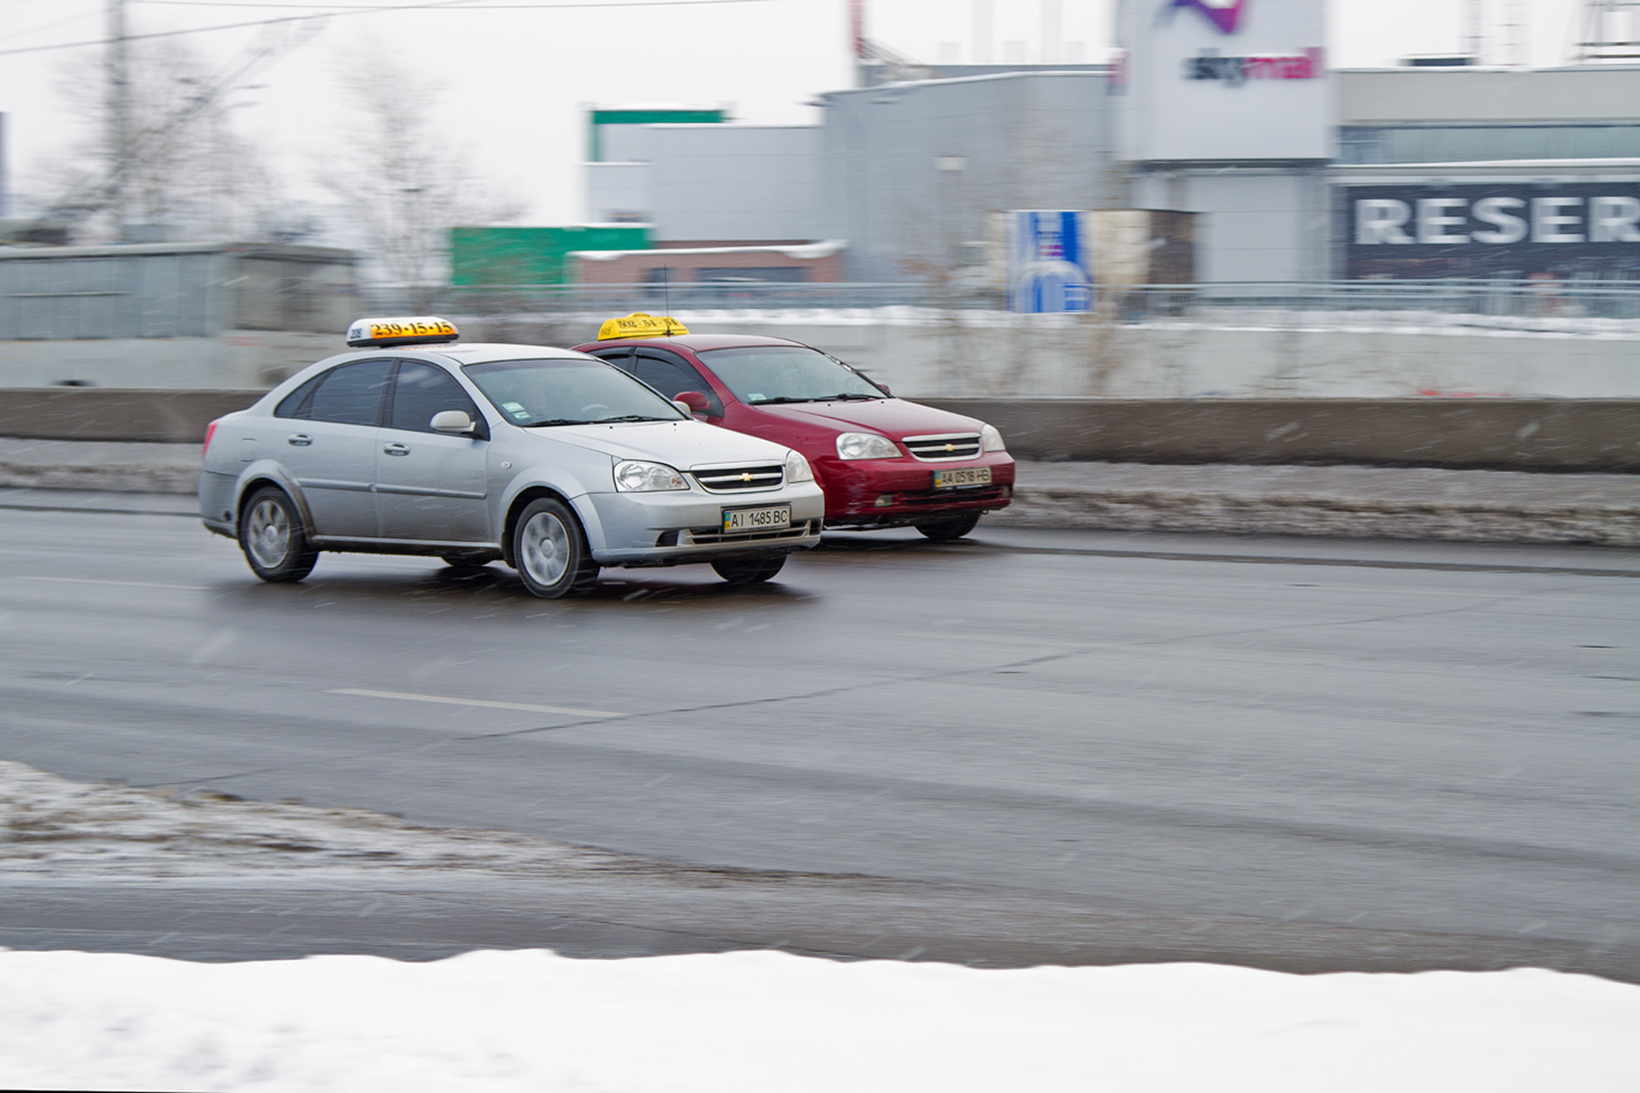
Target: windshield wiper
847,396
628,417
554,421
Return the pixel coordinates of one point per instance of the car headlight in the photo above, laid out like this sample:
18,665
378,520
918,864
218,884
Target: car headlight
632,476
865,446
990,440
798,469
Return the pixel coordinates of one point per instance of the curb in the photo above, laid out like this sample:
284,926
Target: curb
126,479
1318,515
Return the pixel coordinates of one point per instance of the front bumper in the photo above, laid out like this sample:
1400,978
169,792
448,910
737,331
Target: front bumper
887,492
668,528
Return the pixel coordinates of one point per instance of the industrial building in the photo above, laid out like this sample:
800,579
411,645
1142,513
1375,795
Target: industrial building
1295,171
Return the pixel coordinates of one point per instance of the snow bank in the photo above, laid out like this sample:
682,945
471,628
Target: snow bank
763,1022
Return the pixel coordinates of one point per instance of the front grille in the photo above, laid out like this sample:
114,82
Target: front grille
734,479
933,449
712,535
964,494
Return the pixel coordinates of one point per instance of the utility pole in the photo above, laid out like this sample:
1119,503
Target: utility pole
119,118
1475,31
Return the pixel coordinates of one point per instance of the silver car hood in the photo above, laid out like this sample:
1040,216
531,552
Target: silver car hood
680,444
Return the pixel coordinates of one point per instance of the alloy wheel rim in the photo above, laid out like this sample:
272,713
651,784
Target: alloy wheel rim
269,536
545,550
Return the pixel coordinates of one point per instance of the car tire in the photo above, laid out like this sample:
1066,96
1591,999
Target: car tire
273,539
550,551
749,570
951,527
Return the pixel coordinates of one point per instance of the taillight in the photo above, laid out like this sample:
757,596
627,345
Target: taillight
210,431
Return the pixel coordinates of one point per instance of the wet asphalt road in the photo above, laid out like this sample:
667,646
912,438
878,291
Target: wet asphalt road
1028,747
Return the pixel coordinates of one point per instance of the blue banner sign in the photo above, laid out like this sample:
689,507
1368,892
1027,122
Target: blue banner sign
1050,265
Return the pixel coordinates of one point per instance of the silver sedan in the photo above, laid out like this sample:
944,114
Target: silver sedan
550,460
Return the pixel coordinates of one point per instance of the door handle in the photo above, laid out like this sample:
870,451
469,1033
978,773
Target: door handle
396,449
299,440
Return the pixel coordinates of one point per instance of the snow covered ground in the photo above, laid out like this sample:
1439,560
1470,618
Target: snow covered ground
753,1021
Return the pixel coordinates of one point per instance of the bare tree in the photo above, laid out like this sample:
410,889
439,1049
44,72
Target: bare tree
184,172
402,180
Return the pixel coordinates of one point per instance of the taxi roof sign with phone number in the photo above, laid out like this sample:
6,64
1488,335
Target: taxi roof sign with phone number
640,325
423,329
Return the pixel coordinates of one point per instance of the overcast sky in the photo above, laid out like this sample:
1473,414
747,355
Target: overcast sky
518,72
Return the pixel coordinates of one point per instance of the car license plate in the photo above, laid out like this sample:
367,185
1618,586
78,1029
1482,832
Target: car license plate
962,476
767,518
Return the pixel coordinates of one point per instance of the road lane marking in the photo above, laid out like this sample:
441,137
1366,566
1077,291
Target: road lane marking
486,703
993,638
125,584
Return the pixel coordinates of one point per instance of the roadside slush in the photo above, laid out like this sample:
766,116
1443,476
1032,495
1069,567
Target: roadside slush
1336,501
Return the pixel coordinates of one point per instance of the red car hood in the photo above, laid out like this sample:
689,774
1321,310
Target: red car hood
892,417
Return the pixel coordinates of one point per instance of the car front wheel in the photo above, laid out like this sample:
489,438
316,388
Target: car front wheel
749,570
952,527
271,535
550,551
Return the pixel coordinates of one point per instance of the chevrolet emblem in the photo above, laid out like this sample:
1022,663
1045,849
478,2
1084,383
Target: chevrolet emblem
746,477
950,447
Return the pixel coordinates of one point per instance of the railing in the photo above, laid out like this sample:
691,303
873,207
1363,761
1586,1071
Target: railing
1501,303
1531,300
653,298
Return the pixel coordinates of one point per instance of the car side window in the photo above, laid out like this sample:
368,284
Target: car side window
297,403
620,358
422,390
669,375
350,393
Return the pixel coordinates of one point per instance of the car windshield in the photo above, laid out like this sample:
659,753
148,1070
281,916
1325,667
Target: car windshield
786,373
567,391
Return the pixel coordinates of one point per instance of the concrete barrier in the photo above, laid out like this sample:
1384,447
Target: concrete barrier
1519,434
1516,434
103,413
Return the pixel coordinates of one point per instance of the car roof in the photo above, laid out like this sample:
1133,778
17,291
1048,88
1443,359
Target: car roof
698,342
482,352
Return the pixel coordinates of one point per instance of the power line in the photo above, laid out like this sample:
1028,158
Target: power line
349,9
331,12
80,18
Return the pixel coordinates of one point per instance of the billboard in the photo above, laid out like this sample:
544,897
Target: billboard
1224,80
1486,229
1050,265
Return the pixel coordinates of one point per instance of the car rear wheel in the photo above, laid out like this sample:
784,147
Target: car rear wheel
749,570
952,527
550,551
271,535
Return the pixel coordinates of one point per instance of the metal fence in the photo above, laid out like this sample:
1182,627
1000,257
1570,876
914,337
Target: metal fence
1532,299
1390,302
659,300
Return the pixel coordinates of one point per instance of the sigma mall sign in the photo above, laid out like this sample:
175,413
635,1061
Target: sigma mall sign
1478,228
1224,80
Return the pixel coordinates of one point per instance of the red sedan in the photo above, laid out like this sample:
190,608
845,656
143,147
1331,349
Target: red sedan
882,461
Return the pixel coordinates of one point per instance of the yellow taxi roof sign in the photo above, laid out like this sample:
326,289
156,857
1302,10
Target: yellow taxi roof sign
640,325
413,330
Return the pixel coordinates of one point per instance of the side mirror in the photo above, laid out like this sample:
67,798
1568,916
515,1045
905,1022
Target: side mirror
452,421
695,402
883,387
